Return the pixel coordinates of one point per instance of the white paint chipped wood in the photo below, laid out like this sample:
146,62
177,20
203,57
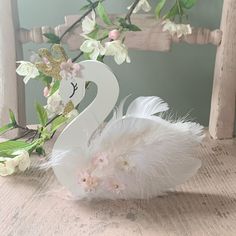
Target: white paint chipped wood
34,204
222,117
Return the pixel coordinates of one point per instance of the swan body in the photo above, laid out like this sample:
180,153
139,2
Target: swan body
135,155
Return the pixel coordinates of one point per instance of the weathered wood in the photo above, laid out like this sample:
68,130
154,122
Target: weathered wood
34,204
222,115
150,38
11,89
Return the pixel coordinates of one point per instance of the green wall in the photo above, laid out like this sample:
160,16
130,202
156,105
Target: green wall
182,77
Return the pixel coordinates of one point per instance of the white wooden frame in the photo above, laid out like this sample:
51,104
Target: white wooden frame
151,38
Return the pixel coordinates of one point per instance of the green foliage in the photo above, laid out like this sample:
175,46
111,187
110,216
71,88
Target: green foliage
58,122
52,38
9,126
55,87
177,9
42,114
174,11
47,80
94,33
40,151
12,117
6,128
8,148
103,14
126,26
188,3
159,8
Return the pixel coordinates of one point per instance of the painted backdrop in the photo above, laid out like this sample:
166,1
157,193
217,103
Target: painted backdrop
182,77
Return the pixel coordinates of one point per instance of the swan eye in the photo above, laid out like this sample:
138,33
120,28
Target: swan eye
75,88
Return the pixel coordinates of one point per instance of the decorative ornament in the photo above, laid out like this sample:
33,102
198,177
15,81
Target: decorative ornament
136,155
52,60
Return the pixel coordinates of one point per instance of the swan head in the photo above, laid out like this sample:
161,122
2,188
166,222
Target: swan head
72,90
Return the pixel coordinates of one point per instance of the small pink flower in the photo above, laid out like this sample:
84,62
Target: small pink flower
100,160
76,70
88,182
69,69
46,61
46,91
115,186
114,34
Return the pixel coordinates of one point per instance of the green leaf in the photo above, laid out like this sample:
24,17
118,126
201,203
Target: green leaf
52,38
86,56
42,114
12,117
6,128
58,122
103,14
55,87
102,34
130,27
40,151
159,7
8,148
44,78
174,11
188,3
94,33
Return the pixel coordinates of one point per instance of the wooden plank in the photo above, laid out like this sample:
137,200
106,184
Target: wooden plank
222,116
11,89
34,204
151,37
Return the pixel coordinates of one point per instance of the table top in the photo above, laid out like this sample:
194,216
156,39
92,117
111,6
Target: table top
33,203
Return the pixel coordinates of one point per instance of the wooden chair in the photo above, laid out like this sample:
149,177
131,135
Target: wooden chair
222,113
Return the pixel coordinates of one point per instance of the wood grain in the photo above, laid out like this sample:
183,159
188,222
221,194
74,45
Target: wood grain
151,38
222,116
34,204
12,94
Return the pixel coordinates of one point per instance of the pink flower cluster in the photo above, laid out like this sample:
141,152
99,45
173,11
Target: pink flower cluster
90,182
69,69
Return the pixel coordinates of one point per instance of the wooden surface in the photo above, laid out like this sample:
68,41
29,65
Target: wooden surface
151,38
222,116
12,94
33,204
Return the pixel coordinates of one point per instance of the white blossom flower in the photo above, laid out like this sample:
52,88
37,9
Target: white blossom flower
142,5
178,29
93,47
27,69
89,24
117,49
23,160
54,105
8,165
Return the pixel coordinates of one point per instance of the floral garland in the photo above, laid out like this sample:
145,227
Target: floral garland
51,66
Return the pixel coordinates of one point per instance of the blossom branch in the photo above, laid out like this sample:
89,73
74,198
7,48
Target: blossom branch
131,10
93,6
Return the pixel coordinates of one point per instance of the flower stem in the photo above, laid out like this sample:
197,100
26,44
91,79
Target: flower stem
93,6
131,10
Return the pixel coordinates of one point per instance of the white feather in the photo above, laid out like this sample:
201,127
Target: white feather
146,154
146,106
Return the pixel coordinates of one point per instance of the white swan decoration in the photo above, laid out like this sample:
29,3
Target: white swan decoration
138,155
